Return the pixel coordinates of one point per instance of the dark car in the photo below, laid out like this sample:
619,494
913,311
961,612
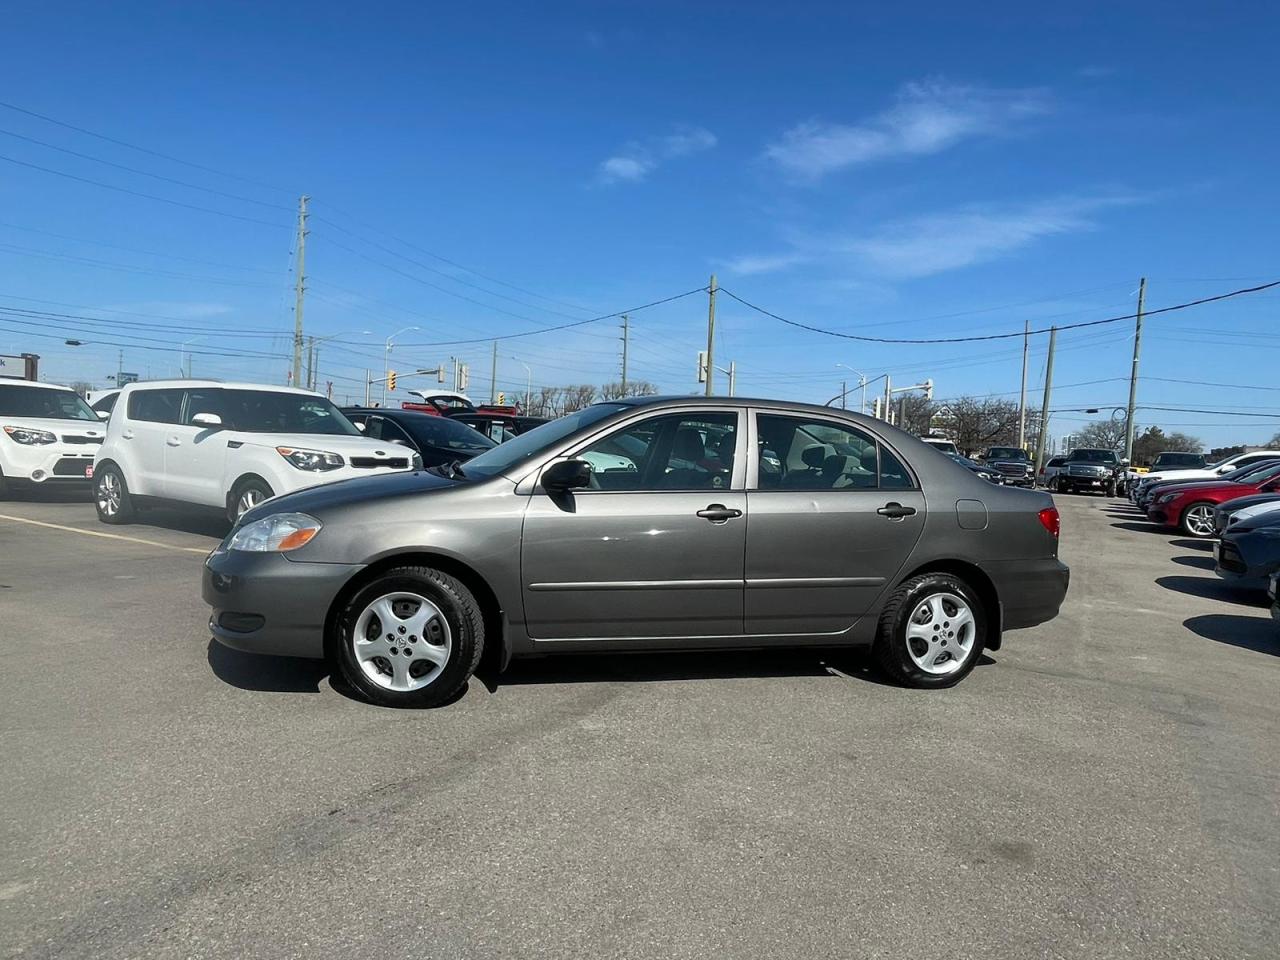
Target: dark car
1089,468
1172,460
440,440
499,427
728,523
1249,552
985,472
1224,512
1012,463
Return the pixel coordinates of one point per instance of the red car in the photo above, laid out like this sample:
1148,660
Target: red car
1190,507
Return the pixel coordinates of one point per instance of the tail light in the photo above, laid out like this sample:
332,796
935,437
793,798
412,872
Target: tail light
1050,520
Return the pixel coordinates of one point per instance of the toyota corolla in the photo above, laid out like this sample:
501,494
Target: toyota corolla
656,524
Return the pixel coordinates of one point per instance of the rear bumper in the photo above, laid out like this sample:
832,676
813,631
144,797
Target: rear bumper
1030,591
265,603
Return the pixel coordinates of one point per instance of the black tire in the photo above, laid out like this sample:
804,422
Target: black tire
891,651
102,478
252,486
461,613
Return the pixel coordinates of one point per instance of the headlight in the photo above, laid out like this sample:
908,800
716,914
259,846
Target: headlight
280,532
28,436
311,459
1166,498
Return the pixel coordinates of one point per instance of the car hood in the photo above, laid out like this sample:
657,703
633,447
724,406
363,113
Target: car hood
1180,475
322,499
1258,513
73,428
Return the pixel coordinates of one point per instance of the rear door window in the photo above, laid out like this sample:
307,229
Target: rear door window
156,406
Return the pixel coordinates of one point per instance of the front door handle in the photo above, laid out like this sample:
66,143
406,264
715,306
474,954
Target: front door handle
896,511
174,442
128,434
719,513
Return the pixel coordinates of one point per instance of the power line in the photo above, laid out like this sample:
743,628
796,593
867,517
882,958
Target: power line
127,268
149,253
144,173
999,336
146,150
138,193
1207,383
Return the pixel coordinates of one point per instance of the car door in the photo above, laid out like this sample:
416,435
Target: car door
834,515
196,456
150,415
654,548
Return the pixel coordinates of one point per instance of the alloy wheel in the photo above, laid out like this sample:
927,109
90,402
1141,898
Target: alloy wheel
940,634
248,500
109,493
402,641
1199,520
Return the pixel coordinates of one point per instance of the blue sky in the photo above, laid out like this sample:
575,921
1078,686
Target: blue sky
893,170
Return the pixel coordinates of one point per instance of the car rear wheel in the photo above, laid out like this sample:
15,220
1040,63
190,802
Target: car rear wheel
1197,520
410,638
111,496
247,495
932,632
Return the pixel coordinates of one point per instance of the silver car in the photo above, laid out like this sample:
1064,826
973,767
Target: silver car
714,523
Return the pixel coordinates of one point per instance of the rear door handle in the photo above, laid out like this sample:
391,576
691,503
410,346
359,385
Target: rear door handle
174,442
719,513
896,511
128,434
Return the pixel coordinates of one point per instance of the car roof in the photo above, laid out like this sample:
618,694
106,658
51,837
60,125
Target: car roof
43,385
182,384
671,400
396,412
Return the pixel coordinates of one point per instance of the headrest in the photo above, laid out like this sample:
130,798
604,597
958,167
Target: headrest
814,456
688,445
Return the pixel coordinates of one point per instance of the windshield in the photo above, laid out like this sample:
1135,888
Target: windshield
1180,460
508,456
271,411
1006,453
1259,474
43,403
1092,456
1240,473
445,434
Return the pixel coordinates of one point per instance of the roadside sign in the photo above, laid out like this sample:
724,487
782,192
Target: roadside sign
124,378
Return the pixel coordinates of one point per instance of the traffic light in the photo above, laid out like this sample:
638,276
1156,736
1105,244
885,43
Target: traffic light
702,366
391,381
502,399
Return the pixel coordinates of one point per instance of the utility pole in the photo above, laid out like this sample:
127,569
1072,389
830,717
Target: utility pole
300,284
626,333
1133,374
733,377
493,375
368,381
1022,403
711,336
1044,409
844,389
888,400
311,363
120,368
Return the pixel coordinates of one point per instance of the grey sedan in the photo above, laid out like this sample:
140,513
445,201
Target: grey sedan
652,524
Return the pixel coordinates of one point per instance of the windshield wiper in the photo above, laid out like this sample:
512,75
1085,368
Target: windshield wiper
455,470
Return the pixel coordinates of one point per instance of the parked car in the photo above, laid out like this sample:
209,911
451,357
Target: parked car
1190,507
1242,508
1088,468
1150,493
403,580
1049,472
1174,460
439,402
499,427
1219,469
941,444
985,472
1249,552
437,440
227,446
102,401
1012,463
48,435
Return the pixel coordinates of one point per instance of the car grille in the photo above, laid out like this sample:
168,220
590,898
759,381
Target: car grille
71,466
388,463
73,439
1091,473
1012,469
1229,559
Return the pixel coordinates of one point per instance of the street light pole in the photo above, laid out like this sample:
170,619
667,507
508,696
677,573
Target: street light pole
528,384
386,360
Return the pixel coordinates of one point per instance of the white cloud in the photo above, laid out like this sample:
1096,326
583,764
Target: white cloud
768,263
932,244
639,158
926,118
187,310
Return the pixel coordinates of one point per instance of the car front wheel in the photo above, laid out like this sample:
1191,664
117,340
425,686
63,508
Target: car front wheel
410,638
247,495
932,632
1197,520
111,496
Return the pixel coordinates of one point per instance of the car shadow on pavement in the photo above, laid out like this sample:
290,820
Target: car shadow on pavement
49,493
249,671
1251,633
1213,590
1141,527
1188,544
1200,563
184,521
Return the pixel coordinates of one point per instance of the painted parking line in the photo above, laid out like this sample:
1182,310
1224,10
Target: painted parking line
105,536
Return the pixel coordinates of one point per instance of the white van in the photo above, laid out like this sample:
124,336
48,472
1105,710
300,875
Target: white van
47,435
227,446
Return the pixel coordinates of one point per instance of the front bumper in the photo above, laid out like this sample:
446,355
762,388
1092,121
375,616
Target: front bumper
1030,591
1246,563
266,603
48,463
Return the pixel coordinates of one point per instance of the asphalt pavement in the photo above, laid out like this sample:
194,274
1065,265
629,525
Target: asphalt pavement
1107,785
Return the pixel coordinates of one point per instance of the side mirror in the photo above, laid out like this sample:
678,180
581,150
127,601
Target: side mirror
359,425
103,414
209,420
566,475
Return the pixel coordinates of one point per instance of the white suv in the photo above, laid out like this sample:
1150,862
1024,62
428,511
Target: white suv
47,435
228,446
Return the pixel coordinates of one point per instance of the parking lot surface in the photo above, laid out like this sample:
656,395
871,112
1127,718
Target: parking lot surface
1107,785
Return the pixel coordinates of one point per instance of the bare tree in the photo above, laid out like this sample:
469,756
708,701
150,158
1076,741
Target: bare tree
915,413
635,388
81,387
547,402
975,423
578,396
1103,434
1274,441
